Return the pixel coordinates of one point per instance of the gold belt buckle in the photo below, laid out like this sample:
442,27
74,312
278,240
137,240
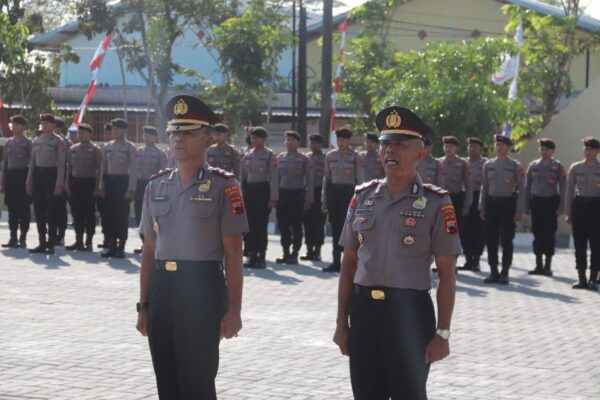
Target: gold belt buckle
171,266
377,294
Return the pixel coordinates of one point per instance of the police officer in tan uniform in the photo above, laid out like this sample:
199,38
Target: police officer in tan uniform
394,230
191,279
84,164
221,154
373,166
119,162
260,180
430,168
472,225
15,165
46,182
545,200
582,210
314,218
501,204
344,169
107,136
295,196
63,217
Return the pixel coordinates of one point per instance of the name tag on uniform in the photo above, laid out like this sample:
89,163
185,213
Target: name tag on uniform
201,198
364,211
160,198
412,213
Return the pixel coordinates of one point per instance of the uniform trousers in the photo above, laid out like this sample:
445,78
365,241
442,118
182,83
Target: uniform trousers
289,212
45,204
117,208
17,201
256,200
387,343
472,229
185,308
63,216
101,206
338,199
586,228
458,201
544,223
83,207
500,224
314,222
139,199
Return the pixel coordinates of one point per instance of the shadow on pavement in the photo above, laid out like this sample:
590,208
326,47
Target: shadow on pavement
270,274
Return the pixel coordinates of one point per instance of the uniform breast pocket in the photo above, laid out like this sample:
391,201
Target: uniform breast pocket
158,208
414,233
200,210
580,178
121,157
363,226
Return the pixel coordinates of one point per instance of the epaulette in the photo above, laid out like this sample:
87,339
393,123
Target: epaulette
221,172
366,185
161,173
435,189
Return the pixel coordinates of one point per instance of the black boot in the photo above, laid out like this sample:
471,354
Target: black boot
548,266
503,280
252,260
286,255
120,253
539,266
50,247
309,254
12,242
593,284
41,247
23,240
468,265
75,246
475,264
292,258
336,265
112,250
261,262
494,275
582,282
88,243
317,253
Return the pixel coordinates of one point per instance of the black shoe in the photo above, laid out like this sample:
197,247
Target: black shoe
250,264
22,244
547,272
87,247
281,260
138,251
307,257
75,246
537,271
580,285
12,243
292,260
110,253
50,249
103,245
60,241
493,278
592,285
120,253
467,265
40,249
503,280
260,264
333,267
475,264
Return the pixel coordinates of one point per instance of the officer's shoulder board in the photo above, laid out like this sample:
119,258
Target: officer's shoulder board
366,185
435,189
221,172
161,173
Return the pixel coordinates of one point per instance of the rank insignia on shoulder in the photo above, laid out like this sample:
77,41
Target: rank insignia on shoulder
221,172
435,189
161,173
449,218
235,199
366,185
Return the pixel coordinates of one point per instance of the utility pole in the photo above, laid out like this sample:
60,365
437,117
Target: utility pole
326,59
294,66
302,77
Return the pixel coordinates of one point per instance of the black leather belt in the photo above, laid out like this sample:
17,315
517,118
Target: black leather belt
385,293
174,266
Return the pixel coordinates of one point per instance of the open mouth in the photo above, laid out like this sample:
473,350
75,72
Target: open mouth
391,162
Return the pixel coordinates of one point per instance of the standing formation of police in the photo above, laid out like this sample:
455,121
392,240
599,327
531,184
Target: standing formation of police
314,217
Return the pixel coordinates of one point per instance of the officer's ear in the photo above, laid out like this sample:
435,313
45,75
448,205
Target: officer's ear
422,151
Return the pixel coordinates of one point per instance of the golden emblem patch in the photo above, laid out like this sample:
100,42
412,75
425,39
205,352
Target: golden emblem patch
393,120
180,108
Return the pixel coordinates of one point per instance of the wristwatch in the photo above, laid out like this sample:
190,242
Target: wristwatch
443,333
139,306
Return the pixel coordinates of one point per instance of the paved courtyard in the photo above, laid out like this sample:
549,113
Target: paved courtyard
67,332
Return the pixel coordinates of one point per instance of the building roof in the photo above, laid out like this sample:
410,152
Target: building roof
585,21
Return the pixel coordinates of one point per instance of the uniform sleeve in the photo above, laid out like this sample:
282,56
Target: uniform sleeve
69,167
570,191
4,166
146,227
132,169
29,181
98,171
348,239
310,184
61,161
441,172
360,169
326,180
562,185
468,186
528,183
485,186
236,163
520,178
444,235
274,178
234,220
243,171
104,167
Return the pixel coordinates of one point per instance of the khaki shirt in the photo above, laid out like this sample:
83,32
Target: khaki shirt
189,220
119,158
583,181
457,178
318,167
504,178
431,171
373,166
16,154
295,172
545,180
150,160
261,166
48,150
397,238
476,169
225,157
85,161
342,169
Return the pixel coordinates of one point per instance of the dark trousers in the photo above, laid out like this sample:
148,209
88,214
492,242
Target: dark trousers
17,202
101,206
256,200
458,201
184,315
83,207
544,223
472,230
63,216
289,218
387,345
586,228
314,222
338,199
500,224
117,208
45,204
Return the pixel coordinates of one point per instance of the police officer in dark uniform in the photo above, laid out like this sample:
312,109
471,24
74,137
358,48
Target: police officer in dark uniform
501,204
582,209
221,154
295,196
193,220
119,162
472,225
15,165
63,217
373,166
100,200
314,218
395,228
545,200
260,180
84,164
45,181
344,169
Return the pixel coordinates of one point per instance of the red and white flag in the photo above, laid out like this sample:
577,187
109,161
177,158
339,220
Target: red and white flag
337,84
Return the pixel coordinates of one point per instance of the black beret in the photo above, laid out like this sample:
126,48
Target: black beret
372,137
60,123
47,117
85,127
503,139
150,130
119,123
315,137
400,123
187,113
547,143
258,131
292,134
18,119
450,140
591,142
108,126
221,128
344,133
474,140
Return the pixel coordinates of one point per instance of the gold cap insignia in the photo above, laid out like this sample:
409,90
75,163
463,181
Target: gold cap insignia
393,120
181,107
